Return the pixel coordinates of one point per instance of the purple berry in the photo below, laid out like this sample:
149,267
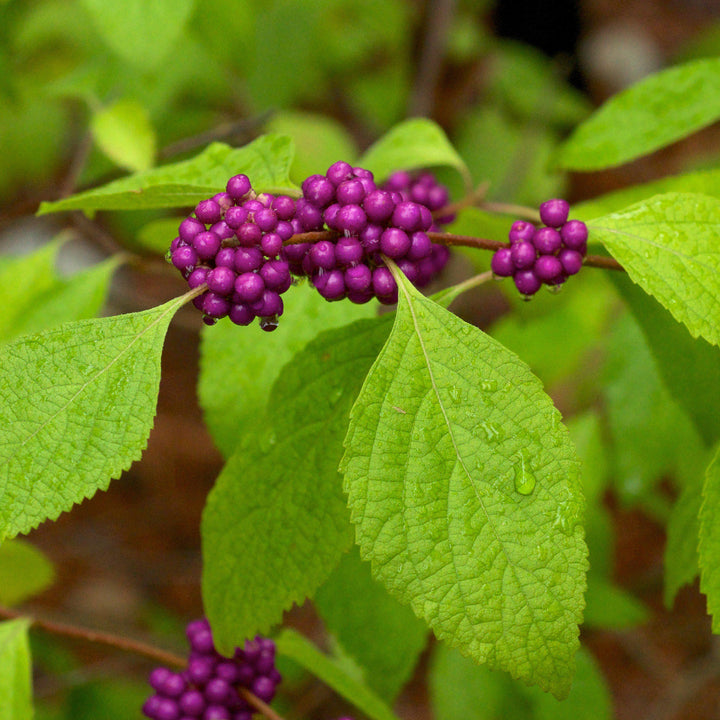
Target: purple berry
330,216
167,710
521,230
284,207
554,213
348,251
225,257
192,702
157,678
249,288
150,706
296,252
208,212
358,278
502,263
238,186
331,285
407,216
523,254
216,712
249,234
206,244
200,669
214,306
185,258
351,218
264,688
271,244
338,172
322,255
378,206
189,228
394,242
285,230
276,274
571,261
548,268
420,246
318,191
235,216
574,235
247,259
241,314
270,303
217,691
350,192
266,219
310,217
527,282
383,283
221,280
547,240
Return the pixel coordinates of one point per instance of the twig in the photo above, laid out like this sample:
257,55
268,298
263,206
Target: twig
259,705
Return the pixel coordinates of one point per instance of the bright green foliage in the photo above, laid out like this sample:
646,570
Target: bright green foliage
76,407
412,144
461,689
142,33
15,671
319,141
293,645
36,299
382,635
690,368
24,572
649,431
464,489
668,245
681,549
651,114
266,161
276,523
709,545
123,131
232,401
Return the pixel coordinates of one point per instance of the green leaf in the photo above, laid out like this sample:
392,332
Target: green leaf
266,161
709,543
123,131
681,549
157,235
276,522
38,299
76,407
460,688
141,33
15,671
668,245
651,114
24,572
689,367
382,635
463,486
293,645
232,401
412,144
610,607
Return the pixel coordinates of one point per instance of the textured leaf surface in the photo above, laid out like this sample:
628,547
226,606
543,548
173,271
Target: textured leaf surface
76,407
15,671
669,246
276,523
24,572
464,489
414,143
140,32
232,400
123,131
655,112
293,645
690,367
383,636
709,545
266,161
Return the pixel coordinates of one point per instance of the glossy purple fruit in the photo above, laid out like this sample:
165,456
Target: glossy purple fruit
331,285
358,278
523,254
238,186
378,206
547,268
521,230
527,282
208,212
351,218
249,287
574,235
502,263
350,192
338,172
394,243
571,261
221,280
554,213
547,240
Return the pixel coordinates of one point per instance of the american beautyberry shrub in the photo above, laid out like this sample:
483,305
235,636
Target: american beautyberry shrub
369,222
210,686
545,255
232,243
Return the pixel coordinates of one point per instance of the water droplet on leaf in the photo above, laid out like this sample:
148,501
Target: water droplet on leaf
524,477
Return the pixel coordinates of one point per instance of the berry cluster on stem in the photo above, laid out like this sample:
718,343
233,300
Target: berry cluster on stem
545,255
212,687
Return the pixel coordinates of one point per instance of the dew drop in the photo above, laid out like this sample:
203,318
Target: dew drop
269,323
488,385
524,477
455,394
493,431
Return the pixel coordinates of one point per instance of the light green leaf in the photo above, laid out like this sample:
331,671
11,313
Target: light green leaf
15,671
24,572
123,131
232,401
668,245
651,114
382,635
681,549
141,33
463,486
76,407
266,161
690,367
276,522
293,645
709,544
412,144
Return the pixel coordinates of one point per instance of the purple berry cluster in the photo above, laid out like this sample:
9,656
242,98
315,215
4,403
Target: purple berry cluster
232,243
370,222
543,255
209,688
